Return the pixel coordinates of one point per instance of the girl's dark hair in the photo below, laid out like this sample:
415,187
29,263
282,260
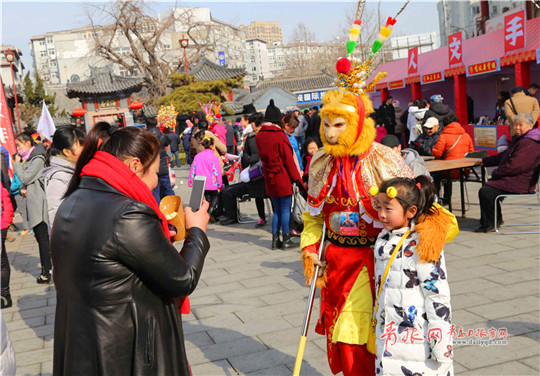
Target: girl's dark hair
256,118
408,193
245,117
207,142
25,137
119,142
308,141
203,125
450,118
64,138
290,119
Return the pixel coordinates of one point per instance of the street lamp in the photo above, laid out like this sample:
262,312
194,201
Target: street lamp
184,43
10,58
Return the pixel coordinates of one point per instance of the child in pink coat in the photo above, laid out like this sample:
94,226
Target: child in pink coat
7,218
206,163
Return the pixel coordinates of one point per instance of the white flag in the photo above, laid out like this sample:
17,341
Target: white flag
46,124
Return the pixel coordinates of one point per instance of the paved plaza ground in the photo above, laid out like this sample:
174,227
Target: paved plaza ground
249,305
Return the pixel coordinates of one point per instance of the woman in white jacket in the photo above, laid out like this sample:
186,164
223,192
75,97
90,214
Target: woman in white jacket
415,119
412,309
62,156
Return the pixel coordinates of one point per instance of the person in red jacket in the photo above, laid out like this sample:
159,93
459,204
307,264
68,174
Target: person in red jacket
453,143
280,172
7,218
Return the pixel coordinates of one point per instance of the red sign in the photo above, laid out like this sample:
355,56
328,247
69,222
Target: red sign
370,89
432,77
396,84
6,136
455,49
485,67
413,61
514,31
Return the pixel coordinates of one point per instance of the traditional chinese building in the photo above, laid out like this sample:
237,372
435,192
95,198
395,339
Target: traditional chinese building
105,96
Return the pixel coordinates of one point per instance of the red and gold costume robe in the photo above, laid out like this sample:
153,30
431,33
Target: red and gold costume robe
339,185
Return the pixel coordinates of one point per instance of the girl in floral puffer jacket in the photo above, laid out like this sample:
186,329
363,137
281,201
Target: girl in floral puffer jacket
412,309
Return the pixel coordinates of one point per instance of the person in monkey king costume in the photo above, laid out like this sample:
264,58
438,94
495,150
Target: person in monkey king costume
340,176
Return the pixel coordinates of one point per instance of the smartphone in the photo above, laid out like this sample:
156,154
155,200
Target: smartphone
197,192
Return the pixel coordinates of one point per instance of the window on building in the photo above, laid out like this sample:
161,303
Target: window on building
50,40
51,51
52,64
42,42
43,53
54,75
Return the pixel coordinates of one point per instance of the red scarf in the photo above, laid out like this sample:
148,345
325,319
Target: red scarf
109,168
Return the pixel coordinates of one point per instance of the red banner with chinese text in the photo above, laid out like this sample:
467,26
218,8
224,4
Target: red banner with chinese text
484,67
396,84
413,61
432,77
7,138
514,32
455,49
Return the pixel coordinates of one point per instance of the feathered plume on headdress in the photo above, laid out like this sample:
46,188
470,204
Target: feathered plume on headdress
352,73
166,117
211,110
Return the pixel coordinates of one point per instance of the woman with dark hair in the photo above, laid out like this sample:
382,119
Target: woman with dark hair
280,172
115,270
28,164
62,156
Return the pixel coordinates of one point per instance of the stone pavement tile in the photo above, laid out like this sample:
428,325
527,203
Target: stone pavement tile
470,285
315,361
198,339
474,272
200,301
509,368
27,323
50,293
519,264
38,303
217,368
458,368
272,371
34,356
253,328
297,319
271,311
218,309
278,338
241,347
202,325
260,291
34,312
49,319
29,370
299,293
201,291
512,291
507,278
477,247
468,299
463,317
254,362
240,277
27,345
533,335
476,357
46,368
533,362
507,308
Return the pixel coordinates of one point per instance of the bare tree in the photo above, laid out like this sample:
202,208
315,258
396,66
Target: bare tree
146,45
302,34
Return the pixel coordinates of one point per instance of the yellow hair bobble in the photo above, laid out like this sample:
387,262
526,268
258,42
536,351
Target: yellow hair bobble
207,138
391,192
374,191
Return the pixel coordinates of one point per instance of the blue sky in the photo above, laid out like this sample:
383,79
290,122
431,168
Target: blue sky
22,20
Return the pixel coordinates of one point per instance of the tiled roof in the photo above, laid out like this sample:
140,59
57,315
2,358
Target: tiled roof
103,81
298,84
235,107
205,70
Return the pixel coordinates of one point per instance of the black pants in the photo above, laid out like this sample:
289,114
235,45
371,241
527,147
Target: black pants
437,178
5,269
41,233
238,190
212,198
487,195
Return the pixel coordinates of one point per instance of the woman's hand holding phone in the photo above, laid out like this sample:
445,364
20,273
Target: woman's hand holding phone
198,219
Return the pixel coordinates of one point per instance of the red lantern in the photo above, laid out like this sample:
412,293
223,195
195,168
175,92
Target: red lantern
78,112
136,105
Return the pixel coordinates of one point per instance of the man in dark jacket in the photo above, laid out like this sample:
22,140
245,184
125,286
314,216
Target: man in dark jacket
426,141
174,140
314,128
387,115
518,168
164,187
229,136
437,108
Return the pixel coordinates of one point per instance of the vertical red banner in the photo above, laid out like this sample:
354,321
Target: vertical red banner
7,139
514,32
413,61
455,49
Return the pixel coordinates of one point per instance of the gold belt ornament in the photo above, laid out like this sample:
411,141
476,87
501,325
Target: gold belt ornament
349,241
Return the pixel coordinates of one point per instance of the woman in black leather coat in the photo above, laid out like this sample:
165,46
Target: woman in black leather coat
115,270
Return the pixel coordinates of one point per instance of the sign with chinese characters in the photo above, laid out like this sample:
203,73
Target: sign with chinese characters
455,49
399,84
370,90
514,32
221,57
7,138
313,96
413,61
485,67
432,77
107,103
485,137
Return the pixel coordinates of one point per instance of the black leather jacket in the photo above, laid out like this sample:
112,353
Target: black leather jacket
116,274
